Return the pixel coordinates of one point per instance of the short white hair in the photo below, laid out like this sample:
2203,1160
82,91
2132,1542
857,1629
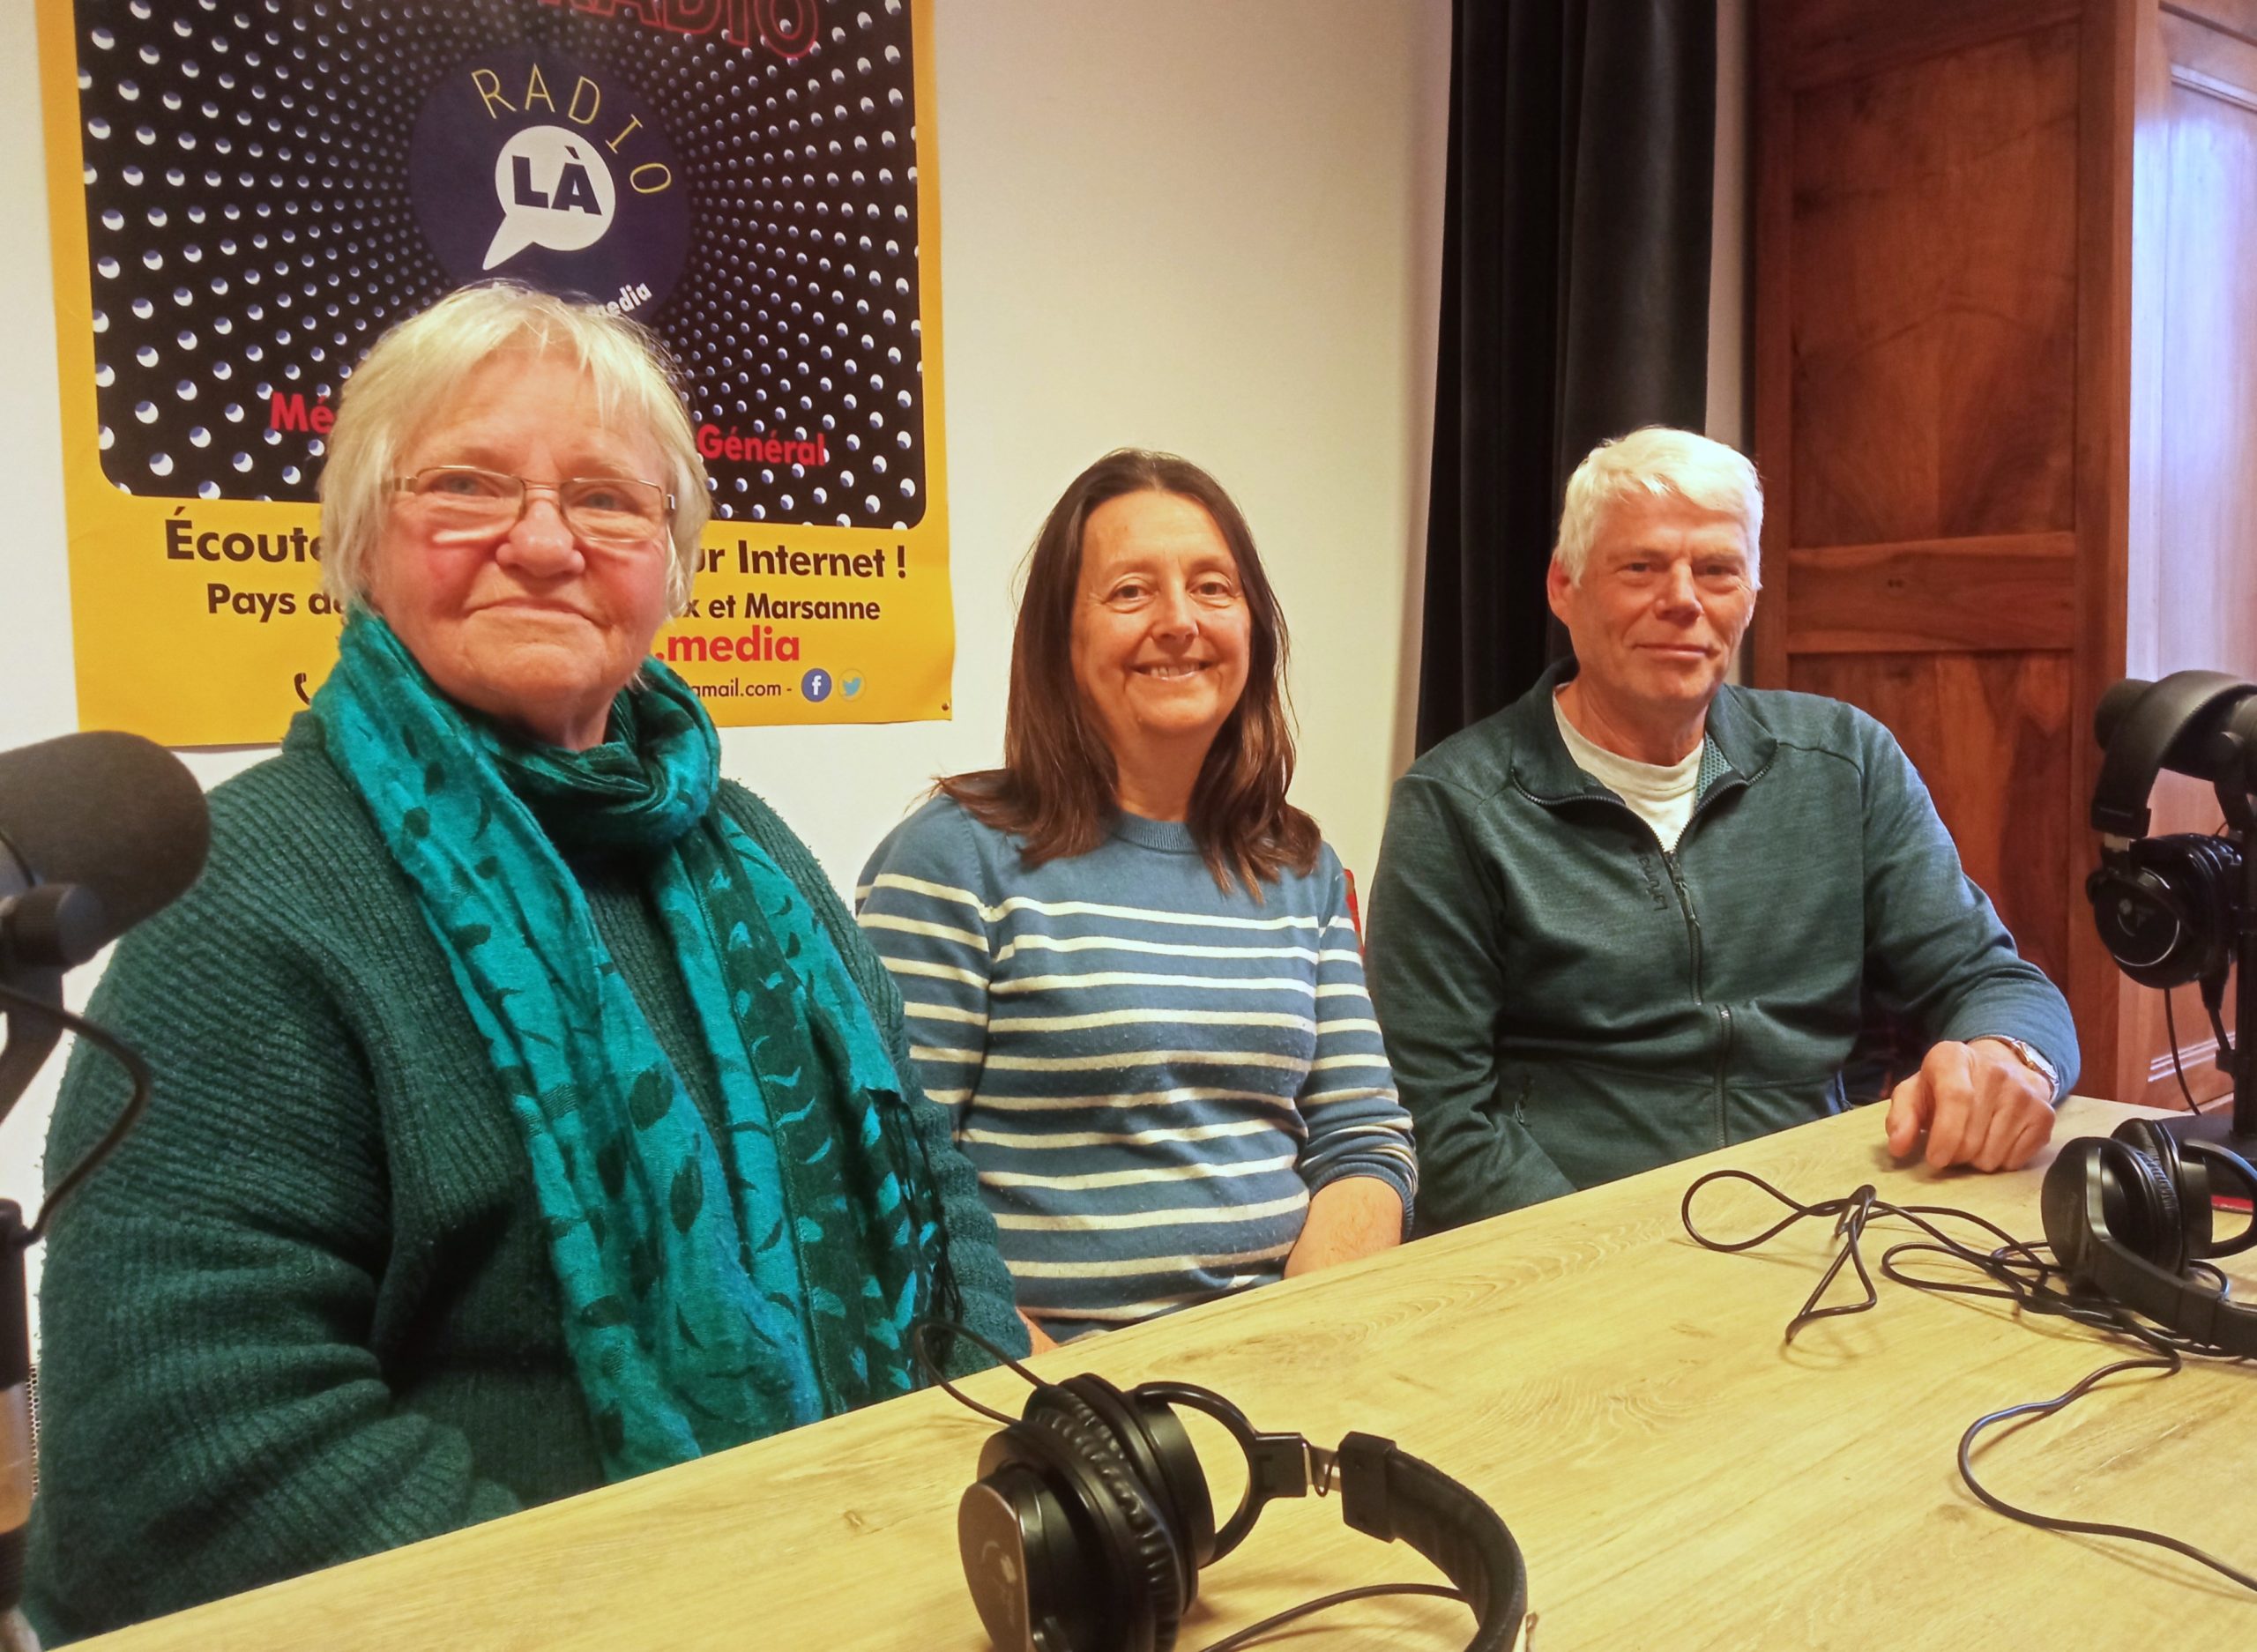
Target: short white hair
1659,462
409,373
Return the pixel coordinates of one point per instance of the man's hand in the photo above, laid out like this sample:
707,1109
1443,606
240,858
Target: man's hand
1041,1340
1979,1105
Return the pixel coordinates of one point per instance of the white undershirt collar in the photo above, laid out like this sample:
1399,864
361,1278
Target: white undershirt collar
1660,795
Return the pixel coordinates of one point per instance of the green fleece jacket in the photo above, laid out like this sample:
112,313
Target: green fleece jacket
1565,1004
307,1312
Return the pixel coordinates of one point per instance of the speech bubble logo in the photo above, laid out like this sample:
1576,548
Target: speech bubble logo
556,191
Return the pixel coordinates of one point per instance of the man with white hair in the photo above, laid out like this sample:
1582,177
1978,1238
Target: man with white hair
1640,913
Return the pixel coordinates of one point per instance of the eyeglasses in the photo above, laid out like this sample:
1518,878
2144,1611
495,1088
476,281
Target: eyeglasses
462,502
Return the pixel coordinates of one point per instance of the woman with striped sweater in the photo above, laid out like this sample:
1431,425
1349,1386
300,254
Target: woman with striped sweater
1130,965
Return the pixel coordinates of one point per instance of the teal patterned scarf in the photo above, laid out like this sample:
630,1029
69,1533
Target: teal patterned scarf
713,1292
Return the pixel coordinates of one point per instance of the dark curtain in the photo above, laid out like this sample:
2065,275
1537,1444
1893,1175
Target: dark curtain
1575,303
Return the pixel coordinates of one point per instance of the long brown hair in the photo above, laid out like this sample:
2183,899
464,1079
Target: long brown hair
1056,789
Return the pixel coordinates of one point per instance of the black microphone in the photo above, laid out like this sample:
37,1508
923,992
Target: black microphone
97,832
114,816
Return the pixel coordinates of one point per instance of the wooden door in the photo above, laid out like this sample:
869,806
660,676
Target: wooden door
2006,333
1922,285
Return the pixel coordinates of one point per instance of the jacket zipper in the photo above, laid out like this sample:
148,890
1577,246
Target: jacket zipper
1724,1011
1723,1069
1692,918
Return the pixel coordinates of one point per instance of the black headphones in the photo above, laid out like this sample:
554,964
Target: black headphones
2166,906
2126,1214
1090,1520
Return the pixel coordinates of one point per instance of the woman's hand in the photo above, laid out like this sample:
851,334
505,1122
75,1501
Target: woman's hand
1354,1216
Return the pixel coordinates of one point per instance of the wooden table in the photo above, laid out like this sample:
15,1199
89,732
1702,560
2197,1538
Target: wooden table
1677,1476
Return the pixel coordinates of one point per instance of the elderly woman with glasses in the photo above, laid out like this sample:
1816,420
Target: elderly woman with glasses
529,1112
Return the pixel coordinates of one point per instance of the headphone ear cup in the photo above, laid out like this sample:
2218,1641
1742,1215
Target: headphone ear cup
1155,1562
2062,1208
2189,1176
1027,1558
2148,1136
2061,1205
2213,899
1152,1438
2143,921
2150,1221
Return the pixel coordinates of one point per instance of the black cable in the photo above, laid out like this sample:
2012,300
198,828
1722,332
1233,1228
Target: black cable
2214,1001
2213,987
136,1104
919,1345
2170,1026
2006,1264
1278,1620
2017,1273
1851,1213
2170,1363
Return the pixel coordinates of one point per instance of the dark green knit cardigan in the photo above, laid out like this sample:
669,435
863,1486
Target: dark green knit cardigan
307,1312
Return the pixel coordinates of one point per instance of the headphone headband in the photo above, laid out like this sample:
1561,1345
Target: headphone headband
1393,1496
2144,728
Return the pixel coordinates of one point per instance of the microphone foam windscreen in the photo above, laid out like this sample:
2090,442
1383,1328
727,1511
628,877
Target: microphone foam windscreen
116,813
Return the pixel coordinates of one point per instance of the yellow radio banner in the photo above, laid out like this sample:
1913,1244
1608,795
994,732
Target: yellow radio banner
245,194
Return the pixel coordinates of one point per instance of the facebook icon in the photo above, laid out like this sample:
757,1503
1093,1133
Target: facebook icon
816,684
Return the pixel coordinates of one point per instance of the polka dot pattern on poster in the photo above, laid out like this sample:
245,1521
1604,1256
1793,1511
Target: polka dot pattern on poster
253,227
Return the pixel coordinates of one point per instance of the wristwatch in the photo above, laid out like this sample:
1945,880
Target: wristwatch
2028,1056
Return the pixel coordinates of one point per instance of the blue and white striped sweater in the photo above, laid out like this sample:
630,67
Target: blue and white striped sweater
1151,1074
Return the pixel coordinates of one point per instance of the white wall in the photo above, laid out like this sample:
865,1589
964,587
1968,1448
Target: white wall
1215,228
1212,229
